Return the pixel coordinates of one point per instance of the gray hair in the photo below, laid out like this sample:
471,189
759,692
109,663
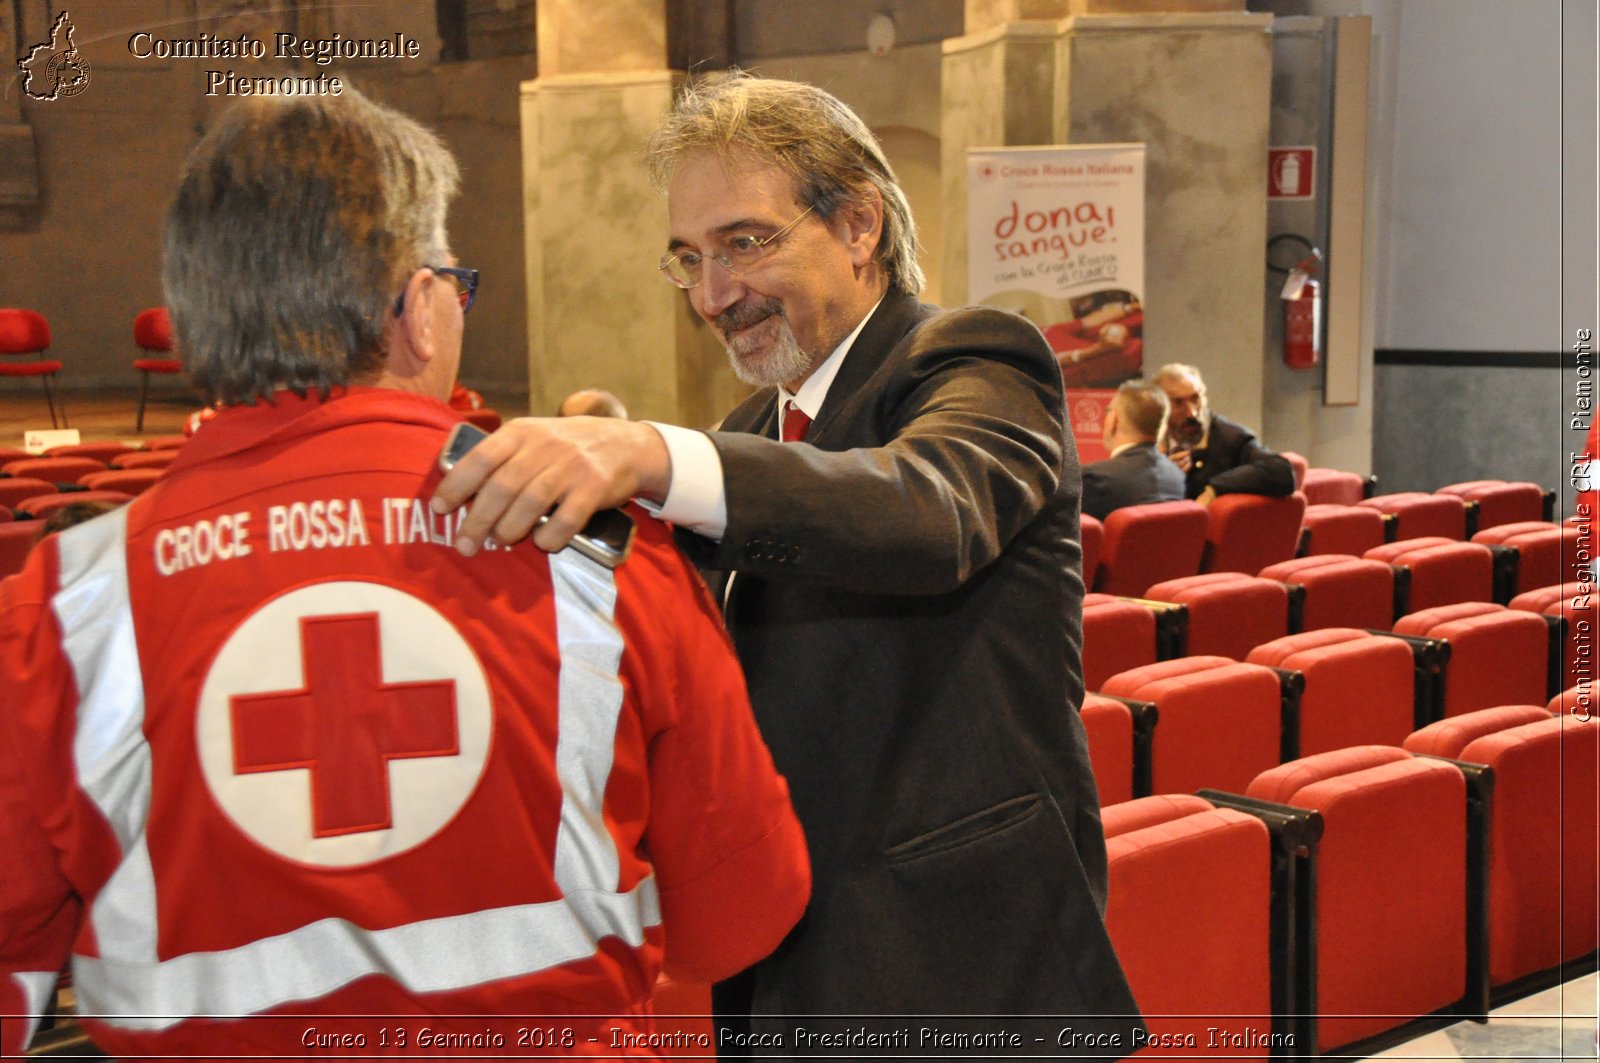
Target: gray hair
1178,369
829,152
1144,405
295,224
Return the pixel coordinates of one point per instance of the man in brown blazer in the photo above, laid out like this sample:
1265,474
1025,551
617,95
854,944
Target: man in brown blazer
893,518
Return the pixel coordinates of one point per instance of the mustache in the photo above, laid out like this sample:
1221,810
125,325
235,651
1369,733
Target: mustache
744,314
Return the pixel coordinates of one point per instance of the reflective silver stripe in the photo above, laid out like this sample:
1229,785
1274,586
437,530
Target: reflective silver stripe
130,988
109,750
433,955
36,987
591,701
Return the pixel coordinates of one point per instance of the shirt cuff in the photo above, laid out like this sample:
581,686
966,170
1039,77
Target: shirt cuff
696,500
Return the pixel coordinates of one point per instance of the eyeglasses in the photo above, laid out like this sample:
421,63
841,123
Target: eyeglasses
458,276
739,255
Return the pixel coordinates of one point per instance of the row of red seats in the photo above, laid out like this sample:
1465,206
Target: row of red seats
1138,546
1340,895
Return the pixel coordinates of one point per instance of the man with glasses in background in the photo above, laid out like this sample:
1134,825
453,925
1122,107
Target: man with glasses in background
288,775
892,523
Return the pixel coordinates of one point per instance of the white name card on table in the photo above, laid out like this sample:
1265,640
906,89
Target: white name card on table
37,442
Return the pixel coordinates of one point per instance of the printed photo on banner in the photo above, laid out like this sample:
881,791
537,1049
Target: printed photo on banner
1057,235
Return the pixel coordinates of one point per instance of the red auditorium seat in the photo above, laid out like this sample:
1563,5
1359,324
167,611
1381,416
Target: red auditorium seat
1114,736
24,333
41,507
146,459
130,481
1340,529
1118,634
1246,533
1147,544
1581,701
1218,722
56,470
1228,612
1359,688
152,334
1440,571
16,539
1577,607
6,516
1543,833
1391,885
1092,534
1415,514
1498,656
165,442
102,451
15,490
1299,464
1190,892
1499,501
1339,591
10,454
1540,549
1333,486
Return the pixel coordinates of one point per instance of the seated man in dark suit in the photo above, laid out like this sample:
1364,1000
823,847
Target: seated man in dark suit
1218,456
1137,471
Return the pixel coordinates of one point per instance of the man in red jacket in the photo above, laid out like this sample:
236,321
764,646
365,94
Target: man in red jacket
277,756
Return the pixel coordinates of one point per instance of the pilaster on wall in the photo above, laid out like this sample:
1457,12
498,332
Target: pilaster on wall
599,314
19,162
1195,88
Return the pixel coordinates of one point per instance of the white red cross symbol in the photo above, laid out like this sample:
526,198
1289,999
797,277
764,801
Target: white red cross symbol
343,722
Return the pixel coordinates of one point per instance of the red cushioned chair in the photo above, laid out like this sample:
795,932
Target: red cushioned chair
103,450
1118,634
1543,834
1582,701
1339,591
1299,464
1499,502
1332,486
152,333
1574,609
1190,892
1150,543
145,459
8,454
16,490
1391,886
1415,514
1092,534
165,442
1110,727
1229,613
6,516
41,507
1440,571
24,337
1359,688
1340,529
1540,550
1219,722
1498,656
1246,533
56,470
16,539
129,481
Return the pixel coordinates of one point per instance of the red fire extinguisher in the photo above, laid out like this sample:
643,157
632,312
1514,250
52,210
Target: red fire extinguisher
1302,308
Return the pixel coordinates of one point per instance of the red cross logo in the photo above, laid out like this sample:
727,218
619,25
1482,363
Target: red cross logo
344,722
345,725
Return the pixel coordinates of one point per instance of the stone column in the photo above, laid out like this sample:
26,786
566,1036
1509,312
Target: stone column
598,313
1191,79
19,162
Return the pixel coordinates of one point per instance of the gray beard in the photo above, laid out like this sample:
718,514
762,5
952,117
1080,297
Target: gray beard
785,361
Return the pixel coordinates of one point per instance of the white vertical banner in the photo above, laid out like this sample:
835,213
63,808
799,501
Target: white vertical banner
1057,235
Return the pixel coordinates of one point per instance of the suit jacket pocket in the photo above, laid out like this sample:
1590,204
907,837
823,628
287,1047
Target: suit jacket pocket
966,830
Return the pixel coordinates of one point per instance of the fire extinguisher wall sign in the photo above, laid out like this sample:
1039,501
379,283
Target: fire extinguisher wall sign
1291,173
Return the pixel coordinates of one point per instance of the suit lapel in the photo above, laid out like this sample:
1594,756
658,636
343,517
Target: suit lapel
892,320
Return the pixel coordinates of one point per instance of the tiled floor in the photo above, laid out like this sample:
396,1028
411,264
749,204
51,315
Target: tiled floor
1556,1024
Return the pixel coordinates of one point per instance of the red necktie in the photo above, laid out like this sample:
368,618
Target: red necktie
795,423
